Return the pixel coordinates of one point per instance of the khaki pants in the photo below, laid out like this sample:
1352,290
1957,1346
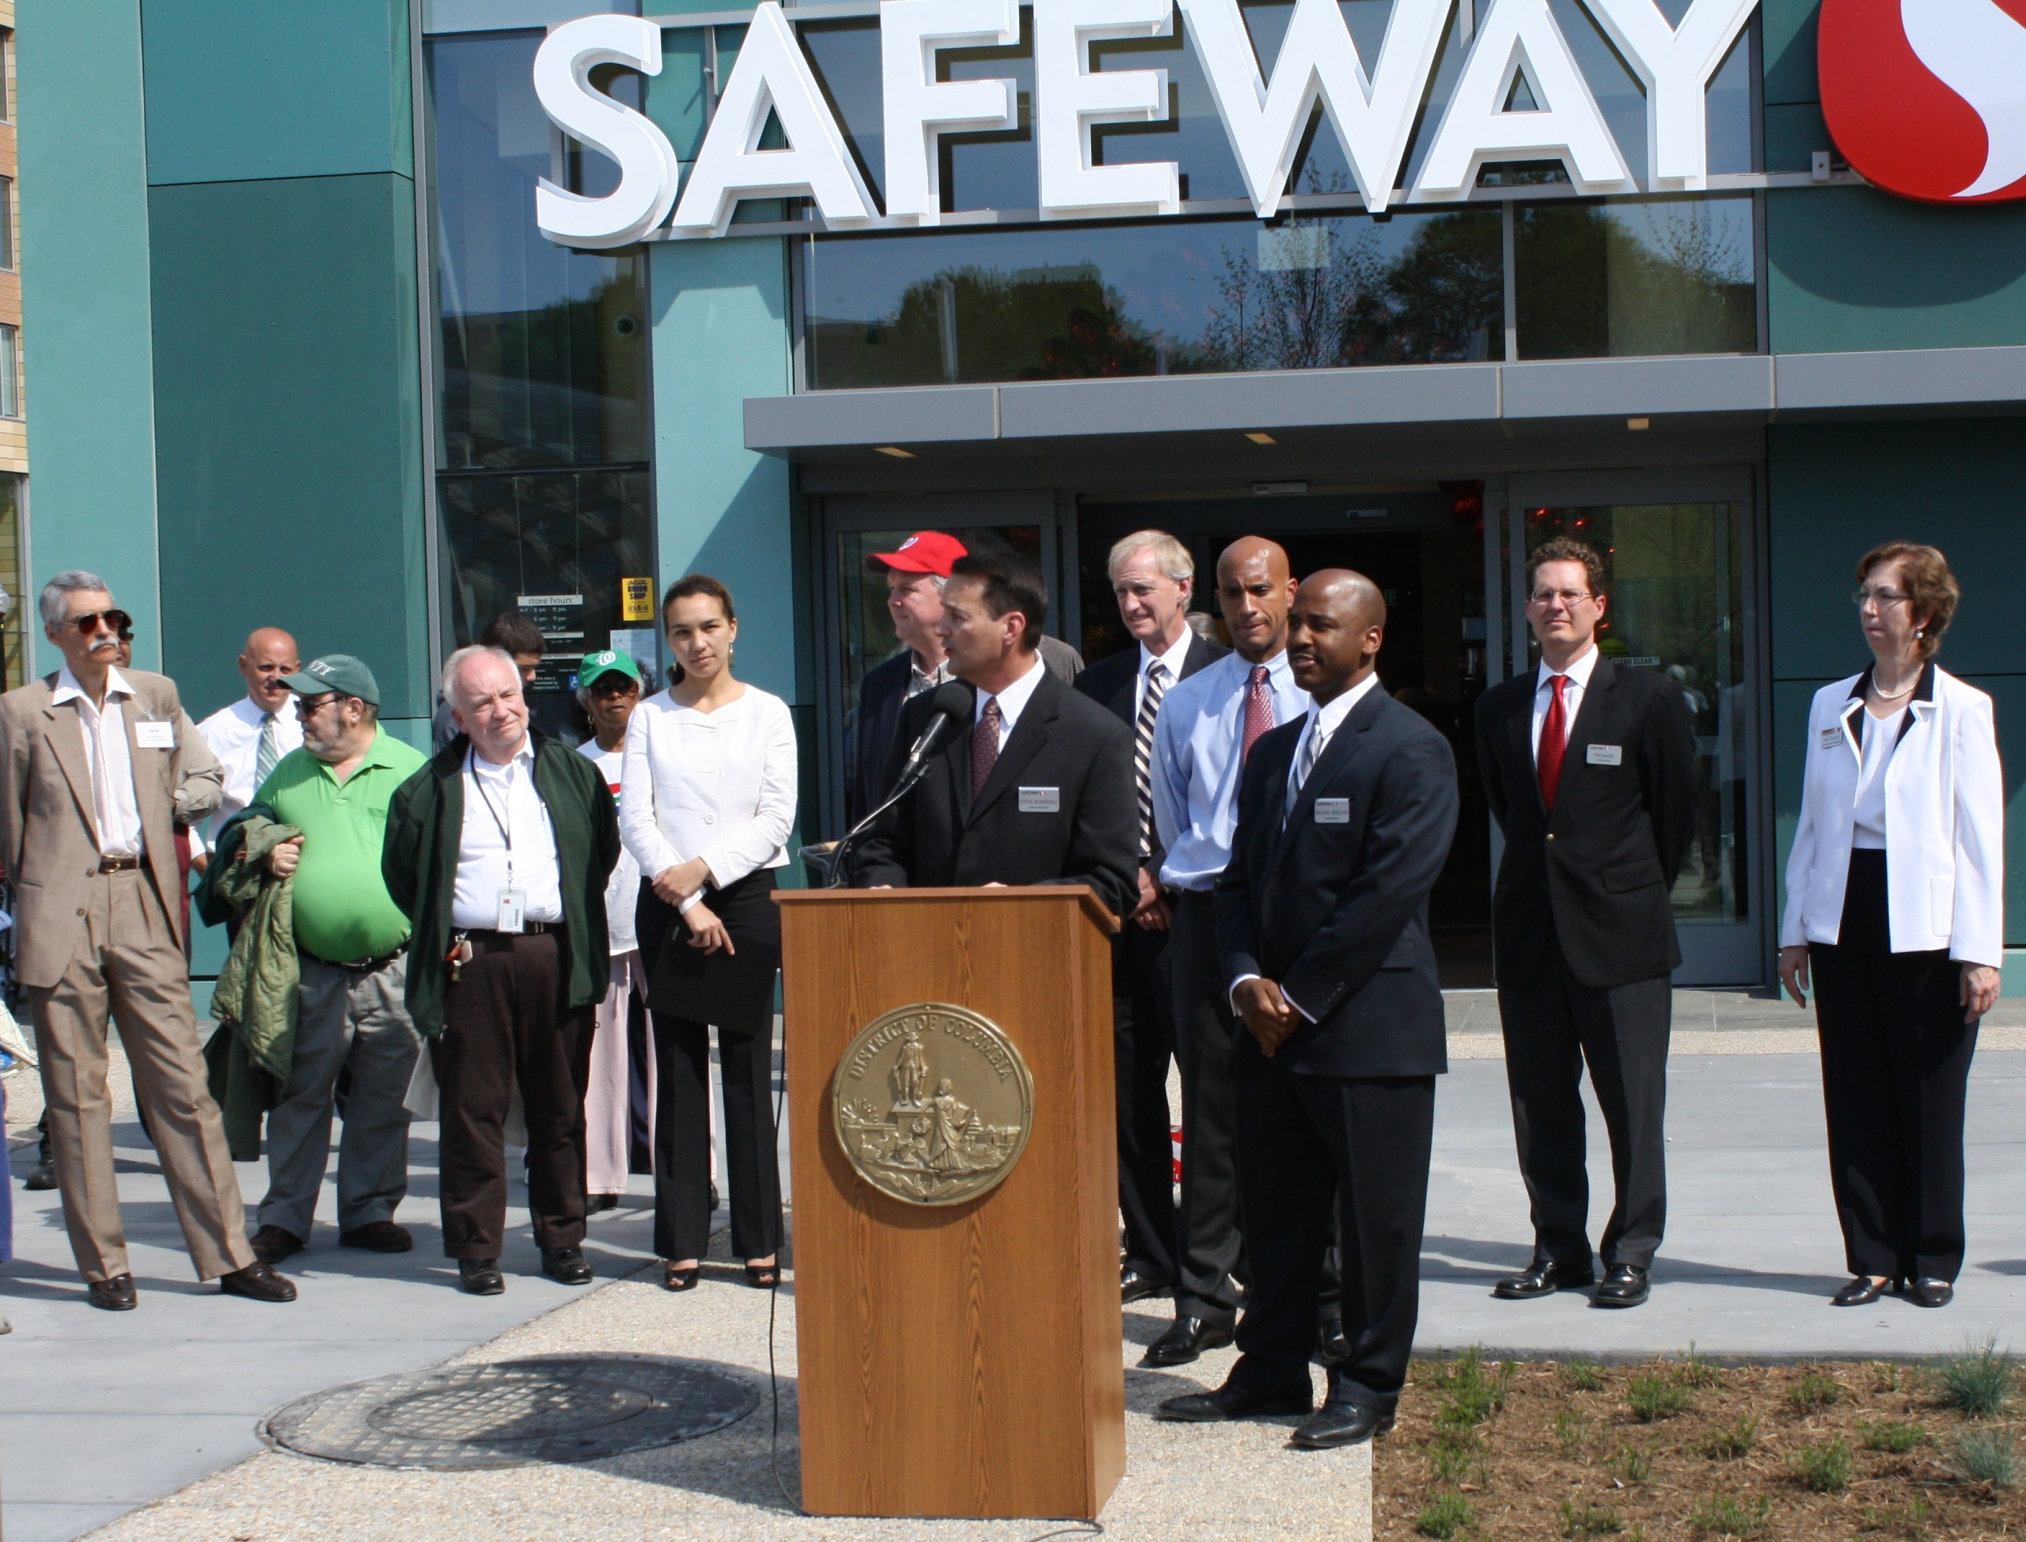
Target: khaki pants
129,965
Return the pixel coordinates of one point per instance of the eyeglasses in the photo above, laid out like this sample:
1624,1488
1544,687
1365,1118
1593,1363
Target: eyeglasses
118,620
1569,597
310,706
1881,597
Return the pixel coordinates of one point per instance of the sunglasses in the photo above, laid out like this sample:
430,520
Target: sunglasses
118,620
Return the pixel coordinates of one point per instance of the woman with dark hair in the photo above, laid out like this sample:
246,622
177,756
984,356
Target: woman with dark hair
707,799
1895,903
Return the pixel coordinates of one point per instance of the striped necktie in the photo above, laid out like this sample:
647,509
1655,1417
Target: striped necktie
269,752
1143,751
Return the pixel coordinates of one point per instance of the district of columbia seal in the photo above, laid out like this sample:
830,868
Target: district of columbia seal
932,1104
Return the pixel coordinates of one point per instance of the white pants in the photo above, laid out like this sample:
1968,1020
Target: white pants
608,1112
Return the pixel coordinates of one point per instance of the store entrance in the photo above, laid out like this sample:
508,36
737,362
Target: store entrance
1424,546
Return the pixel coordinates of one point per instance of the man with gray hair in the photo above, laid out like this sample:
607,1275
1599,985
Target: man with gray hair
497,851
97,764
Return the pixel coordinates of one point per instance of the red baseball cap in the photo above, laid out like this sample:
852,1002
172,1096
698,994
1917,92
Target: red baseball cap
926,551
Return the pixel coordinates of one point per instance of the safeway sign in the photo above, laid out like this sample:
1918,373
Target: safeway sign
1371,106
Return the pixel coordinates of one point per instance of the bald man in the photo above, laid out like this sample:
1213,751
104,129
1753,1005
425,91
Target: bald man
1344,821
251,736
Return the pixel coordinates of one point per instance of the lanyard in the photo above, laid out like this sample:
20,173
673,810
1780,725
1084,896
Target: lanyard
505,829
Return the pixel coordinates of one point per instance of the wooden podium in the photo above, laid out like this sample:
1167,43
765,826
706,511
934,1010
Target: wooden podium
961,1360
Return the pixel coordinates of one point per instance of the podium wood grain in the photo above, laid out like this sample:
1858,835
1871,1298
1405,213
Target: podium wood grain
958,1360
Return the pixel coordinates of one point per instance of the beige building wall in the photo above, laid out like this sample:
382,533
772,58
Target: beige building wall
14,427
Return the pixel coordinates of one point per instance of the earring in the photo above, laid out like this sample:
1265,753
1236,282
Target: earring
1920,631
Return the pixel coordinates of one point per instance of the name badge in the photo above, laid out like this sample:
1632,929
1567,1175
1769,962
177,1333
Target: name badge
513,911
1333,811
1041,800
155,736
1831,737
1606,755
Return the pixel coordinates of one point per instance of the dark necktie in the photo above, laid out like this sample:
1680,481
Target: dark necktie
1143,751
1258,711
984,747
1554,741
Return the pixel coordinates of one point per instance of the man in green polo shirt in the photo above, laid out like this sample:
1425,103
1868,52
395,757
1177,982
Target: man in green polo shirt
352,942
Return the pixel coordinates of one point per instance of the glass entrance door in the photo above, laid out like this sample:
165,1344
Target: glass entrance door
1681,579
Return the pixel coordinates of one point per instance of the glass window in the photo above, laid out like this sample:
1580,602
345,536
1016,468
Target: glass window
6,222
1179,297
6,73
1674,587
10,371
1672,275
14,631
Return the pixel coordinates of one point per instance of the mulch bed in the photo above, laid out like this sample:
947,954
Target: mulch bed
1794,1452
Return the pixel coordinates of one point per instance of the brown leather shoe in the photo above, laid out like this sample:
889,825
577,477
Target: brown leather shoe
377,1237
113,1295
271,1244
256,1282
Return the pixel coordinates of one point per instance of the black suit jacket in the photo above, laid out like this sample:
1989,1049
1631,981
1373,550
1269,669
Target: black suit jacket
881,696
1111,681
1064,745
1598,876
1337,914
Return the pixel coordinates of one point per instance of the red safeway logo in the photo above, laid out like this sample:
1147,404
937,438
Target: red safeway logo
1927,98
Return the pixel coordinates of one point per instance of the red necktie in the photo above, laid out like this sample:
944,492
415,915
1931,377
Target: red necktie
1258,711
1554,741
984,746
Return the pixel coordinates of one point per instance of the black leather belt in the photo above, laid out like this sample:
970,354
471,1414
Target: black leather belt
118,864
528,929
357,966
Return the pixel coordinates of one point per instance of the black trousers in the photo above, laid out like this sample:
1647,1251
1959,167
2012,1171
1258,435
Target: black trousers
1143,1042
1895,1079
503,1022
1303,1142
1554,1024
1209,1245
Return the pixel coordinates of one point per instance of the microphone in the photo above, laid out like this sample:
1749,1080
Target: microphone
950,703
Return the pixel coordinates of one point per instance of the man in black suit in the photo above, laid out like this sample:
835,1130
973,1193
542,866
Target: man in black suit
1035,786
915,573
1590,769
1344,822
1152,577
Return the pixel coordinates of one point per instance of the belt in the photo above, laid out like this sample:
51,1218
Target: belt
118,864
357,965
528,929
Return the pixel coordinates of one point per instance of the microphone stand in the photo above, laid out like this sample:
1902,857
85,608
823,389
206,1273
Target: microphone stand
830,861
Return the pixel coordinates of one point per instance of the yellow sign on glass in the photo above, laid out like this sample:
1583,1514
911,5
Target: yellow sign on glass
636,599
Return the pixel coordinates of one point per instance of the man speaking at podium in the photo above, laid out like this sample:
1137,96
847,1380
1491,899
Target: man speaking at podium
1029,782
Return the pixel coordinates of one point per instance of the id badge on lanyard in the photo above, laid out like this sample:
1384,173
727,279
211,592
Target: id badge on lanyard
513,901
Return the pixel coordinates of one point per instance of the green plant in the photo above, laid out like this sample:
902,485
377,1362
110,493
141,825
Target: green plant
1632,1464
1471,1391
1892,1435
1813,1390
1978,1380
1724,1516
1694,1370
1453,1457
1824,1468
1884,1376
1985,1456
1572,1428
1733,1441
1590,1521
1582,1376
1654,1396
1910,1521
1444,1517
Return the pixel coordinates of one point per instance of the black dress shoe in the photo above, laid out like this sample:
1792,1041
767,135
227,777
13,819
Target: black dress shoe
1332,1346
1624,1285
271,1244
598,1204
480,1276
41,1176
1135,1286
377,1237
1930,1292
1340,1424
566,1266
256,1282
1186,1341
1861,1291
113,1295
1543,1277
1229,1402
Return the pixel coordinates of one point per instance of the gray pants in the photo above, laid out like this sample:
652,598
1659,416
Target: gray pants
346,1018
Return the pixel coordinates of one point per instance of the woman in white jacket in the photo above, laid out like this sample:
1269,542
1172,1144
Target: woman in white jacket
707,797
1895,902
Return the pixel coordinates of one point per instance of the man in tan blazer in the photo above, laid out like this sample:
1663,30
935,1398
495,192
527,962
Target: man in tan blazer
96,764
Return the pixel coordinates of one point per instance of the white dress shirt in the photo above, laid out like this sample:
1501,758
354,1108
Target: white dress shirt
1172,660
115,810
1197,738
1579,672
508,842
234,736
1867,832
1012,701
716,785
622,889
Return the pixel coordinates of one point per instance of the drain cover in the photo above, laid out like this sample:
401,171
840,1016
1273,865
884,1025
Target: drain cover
560,1408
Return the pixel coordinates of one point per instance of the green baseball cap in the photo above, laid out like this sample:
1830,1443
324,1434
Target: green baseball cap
606,662
338,672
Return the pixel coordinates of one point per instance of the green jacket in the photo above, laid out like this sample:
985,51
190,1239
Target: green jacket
425,825
249,1058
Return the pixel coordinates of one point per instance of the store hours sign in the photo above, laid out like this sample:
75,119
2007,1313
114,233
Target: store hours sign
1371,106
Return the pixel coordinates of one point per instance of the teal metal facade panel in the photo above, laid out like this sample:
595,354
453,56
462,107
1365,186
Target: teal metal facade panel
289,427
1787,36
89,376
247,90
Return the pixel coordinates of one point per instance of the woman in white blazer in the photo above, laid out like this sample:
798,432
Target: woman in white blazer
707,797
1895,902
